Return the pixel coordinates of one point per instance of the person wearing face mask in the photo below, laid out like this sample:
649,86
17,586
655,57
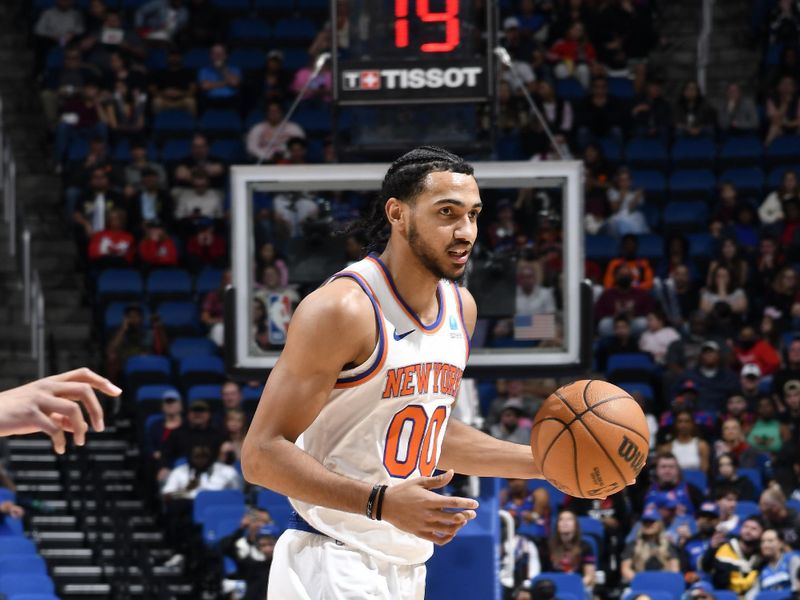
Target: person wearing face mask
623,299
641,271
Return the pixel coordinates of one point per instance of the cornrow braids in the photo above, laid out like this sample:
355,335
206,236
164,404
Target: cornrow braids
404,180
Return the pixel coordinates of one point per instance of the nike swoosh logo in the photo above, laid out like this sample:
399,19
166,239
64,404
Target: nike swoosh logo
400,336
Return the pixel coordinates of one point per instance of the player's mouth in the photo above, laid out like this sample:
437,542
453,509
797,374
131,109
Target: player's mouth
459,256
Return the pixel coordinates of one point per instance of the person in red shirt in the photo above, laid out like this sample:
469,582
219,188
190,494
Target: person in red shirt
112,246
205,247
749,349
156,248
622,300
573,55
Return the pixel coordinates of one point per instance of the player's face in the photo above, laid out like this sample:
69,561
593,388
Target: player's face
443,223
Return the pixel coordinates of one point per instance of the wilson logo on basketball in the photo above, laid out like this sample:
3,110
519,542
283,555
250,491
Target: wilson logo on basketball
631,454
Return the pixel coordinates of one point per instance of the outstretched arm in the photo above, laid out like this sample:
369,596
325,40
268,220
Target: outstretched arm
471,452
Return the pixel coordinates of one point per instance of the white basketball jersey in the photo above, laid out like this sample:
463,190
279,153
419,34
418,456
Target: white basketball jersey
385,420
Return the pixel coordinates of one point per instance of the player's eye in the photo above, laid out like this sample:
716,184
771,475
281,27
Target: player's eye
473,214
446,211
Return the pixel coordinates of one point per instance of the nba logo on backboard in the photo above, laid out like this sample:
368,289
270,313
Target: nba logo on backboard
279,312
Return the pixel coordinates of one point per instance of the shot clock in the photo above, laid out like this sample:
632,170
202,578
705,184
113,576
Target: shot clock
412,51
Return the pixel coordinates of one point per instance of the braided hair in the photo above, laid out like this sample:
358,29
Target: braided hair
404,180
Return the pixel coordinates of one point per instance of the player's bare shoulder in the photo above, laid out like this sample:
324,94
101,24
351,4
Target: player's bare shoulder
336,317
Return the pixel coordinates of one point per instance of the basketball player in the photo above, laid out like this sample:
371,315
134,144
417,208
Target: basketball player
361,396
52,405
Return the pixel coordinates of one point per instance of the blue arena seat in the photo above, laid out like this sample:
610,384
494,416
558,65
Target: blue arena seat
25,563
266,499
119,284
645,389
196,58
26,583
201,370
652,182
630,366
592,526
210,392
651,246
294,58
459,569
293,32
783,150
154,392
692,183
7,494
775,177
647,152
697,478
176,150
753,475
207,280
248,59
77,150
179,318
556,495
773,595
147,370
746,508
570,89
693,152
653,594
620,87
171,122
229,151
669,582
741,151
612,149
248,31
314,121
509,147
115,313
217,528
686,215
233,6
11,526
17,545
748,180
168,284
183,347
218,121
601,247
206,498
701,245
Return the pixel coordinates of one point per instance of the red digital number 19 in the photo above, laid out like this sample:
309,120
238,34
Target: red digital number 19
449,17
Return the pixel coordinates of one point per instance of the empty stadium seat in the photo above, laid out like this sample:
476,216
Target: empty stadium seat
568,583
25,563
612,149
27,583
295,32
645,389
220,122
601,247
248,31
168,284
633,366
208,279
693,152
294,58
219,527
173,122
701,245
669,582
686,215
228,151
147,370
268,498
651,246
119,284
748,180
746,508
692,183
314,121
183,347
783,150
775,177
741,151
459,568
646,152
570,89
179,318
201,370
176,150
620,87
753,475
652,182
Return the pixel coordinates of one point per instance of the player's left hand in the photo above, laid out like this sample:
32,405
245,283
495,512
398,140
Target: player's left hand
53,405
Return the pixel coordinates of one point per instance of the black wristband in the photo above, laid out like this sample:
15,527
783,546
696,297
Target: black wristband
371,502
379,509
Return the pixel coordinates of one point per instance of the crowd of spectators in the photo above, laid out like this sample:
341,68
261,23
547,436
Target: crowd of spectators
149,106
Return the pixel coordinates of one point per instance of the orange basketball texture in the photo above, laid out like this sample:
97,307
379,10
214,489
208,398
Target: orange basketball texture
590,439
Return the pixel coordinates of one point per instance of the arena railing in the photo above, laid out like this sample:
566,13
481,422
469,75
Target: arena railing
32,292
704,42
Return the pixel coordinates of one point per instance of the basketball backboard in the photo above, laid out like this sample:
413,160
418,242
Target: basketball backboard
508,339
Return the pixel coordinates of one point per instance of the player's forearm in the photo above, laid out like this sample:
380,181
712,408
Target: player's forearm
281,466
471,452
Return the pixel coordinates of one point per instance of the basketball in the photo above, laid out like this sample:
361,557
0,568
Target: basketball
590,439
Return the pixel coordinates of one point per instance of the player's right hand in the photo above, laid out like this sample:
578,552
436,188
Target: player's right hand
413,507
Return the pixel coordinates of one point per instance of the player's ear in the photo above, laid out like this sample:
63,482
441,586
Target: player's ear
395,213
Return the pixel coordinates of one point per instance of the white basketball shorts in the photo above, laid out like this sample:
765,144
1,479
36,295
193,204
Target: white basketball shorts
309,566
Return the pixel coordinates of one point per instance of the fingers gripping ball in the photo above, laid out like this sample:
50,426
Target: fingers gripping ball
590,439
